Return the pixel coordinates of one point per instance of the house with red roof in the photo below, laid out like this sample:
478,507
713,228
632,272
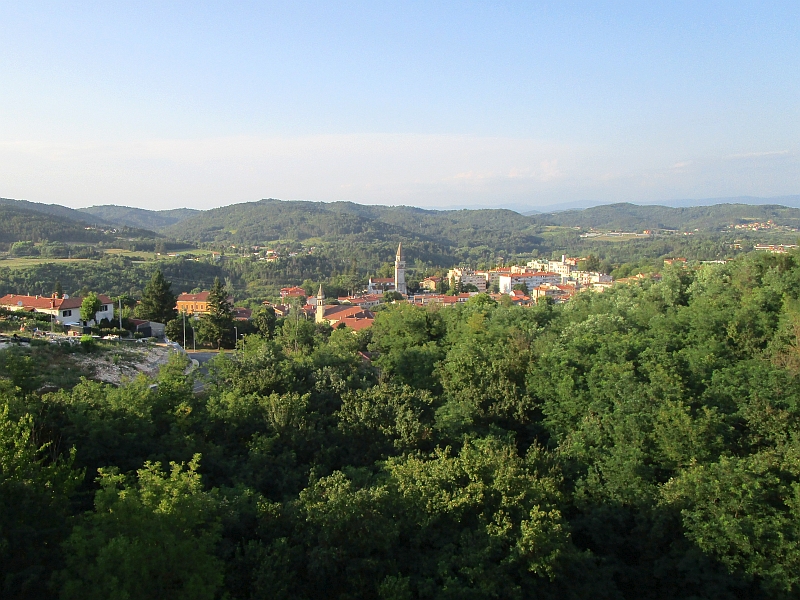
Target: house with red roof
195,304
293,292
66,310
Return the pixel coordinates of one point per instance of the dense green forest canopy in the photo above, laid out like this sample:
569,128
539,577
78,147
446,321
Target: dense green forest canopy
54,210
19,222
639,443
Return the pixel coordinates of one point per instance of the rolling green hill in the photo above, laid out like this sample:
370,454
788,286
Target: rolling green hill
32,222
267,220
53,210
138,217
632,217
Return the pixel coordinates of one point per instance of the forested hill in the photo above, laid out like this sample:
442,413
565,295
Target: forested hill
137,217
17,224
266,220
632,217
54,210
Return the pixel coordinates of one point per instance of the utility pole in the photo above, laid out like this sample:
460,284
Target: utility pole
120,315
184,331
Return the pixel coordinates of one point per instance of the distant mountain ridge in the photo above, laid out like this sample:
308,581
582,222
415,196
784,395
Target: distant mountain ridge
501,230
788,201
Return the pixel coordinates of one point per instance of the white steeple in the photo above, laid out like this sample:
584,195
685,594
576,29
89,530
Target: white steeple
400,271
320,313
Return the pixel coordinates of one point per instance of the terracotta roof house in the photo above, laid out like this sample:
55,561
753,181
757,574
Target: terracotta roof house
195,304
293,292
66,311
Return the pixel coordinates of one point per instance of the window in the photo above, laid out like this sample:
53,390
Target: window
66,313
103,308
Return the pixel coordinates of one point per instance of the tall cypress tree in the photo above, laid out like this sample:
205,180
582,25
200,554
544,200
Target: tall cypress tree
219,320
158,301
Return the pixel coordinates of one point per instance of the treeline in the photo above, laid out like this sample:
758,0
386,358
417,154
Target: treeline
639,443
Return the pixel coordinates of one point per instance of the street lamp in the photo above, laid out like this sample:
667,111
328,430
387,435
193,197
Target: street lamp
236,341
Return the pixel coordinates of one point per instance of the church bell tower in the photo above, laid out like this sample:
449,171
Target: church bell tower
320,314
400,271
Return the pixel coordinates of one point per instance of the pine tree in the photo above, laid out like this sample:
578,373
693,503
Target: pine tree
219,320
158,301
58,290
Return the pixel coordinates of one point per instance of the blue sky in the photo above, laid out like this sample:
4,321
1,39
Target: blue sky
200,104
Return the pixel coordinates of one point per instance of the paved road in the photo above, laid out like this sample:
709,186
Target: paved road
201,358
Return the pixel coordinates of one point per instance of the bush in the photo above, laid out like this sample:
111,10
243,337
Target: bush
88,343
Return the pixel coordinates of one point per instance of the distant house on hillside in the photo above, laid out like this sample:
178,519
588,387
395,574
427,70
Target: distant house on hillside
293,292
66,311
240,313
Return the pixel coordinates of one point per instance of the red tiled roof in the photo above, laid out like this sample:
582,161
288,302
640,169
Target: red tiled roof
343,311
293,291
356,324
76,302
30,302
242,314
201,297
46,302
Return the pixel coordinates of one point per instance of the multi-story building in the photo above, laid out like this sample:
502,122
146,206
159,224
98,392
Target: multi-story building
461,276
531,280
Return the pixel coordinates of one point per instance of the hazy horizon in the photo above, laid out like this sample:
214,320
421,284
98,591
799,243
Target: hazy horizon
511,104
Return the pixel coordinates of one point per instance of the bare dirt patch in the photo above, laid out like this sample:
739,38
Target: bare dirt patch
117,366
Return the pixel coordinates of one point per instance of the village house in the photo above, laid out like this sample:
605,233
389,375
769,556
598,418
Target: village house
430,283
293,292
66,311
195,304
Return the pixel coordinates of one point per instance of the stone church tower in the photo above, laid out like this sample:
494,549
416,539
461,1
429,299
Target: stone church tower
400,271
320,315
